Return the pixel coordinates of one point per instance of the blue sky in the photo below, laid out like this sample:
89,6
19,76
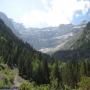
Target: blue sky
43,13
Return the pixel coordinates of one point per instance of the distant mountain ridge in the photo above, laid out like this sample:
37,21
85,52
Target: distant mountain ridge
47,40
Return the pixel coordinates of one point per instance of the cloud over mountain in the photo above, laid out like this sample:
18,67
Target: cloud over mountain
56,12
42,13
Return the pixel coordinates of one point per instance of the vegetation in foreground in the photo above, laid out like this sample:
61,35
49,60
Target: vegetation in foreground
61,76
40,71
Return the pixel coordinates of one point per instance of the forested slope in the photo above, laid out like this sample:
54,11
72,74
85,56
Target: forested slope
40,71
79,49
18,54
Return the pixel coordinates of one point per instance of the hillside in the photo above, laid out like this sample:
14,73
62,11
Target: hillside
9,78
23,67
46,40
77,47
83,43
18,54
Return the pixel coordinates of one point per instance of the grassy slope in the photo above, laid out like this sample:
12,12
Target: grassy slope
9,77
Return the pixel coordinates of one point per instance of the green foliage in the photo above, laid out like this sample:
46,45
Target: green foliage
6,76
1,83
47,73
43,87
26,86
18,54
84,84
31,86
1,59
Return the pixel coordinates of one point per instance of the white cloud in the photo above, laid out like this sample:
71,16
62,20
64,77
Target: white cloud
34,18
45,2
60,12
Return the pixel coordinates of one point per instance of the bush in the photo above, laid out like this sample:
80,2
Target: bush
26,86
31,86
84,84
6,76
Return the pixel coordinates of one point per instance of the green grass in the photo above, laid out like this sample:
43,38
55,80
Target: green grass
6,76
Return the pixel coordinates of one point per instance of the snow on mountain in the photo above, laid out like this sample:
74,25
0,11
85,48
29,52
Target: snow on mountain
43,39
